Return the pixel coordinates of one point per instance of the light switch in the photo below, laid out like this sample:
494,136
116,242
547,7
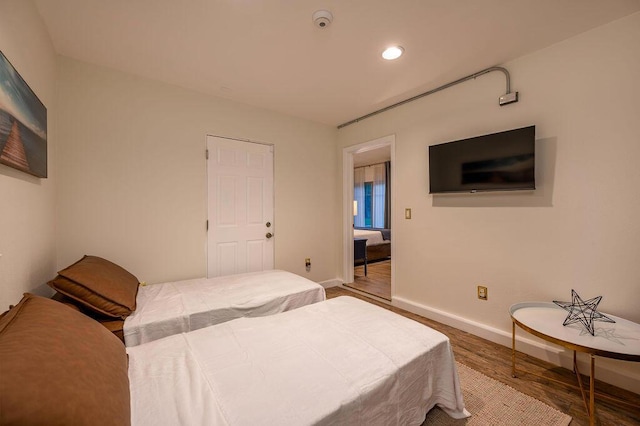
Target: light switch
407,213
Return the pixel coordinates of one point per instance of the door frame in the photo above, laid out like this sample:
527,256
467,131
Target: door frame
347,203
207,193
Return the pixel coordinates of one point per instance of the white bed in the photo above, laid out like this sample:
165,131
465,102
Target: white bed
373,237
378,245
342,361
177,307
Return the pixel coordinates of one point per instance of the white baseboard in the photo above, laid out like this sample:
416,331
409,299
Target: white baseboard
330,283
613,374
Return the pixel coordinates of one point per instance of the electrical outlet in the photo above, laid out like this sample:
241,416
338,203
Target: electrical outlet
307,262
482,293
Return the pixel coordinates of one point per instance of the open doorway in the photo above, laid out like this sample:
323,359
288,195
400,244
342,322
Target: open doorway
368,190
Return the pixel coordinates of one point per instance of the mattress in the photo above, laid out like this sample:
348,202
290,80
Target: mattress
342,361
373,237
177,307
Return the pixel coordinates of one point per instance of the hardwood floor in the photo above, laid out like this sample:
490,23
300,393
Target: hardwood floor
377,281
494,360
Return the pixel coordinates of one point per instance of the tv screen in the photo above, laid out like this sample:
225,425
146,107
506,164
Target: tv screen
497,162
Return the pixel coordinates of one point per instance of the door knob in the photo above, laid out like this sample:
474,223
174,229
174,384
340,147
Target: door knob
269,235
268,224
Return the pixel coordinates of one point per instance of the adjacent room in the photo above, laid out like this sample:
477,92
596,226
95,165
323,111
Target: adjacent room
320,213
372,222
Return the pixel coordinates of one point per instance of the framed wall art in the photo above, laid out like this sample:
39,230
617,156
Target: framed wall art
23,124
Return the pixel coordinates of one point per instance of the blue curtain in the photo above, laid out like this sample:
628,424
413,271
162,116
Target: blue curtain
373,210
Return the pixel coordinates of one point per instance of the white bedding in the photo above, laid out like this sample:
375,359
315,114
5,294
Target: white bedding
342,361
373,237
181,306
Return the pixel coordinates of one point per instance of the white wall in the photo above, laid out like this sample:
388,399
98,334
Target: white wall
27,216
578,230
132,175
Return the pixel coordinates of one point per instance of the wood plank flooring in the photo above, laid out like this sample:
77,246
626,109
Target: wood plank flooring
377,281
494,361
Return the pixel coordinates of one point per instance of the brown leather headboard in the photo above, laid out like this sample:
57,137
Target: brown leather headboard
58,366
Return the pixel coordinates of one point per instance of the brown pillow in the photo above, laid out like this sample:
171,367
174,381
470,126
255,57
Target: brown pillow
60,367
99,285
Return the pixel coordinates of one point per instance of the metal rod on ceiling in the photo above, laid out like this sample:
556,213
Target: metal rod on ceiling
504,100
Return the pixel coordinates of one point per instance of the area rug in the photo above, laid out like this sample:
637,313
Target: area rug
491,402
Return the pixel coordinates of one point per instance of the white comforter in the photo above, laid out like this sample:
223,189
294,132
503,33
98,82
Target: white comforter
338,362
181,306
373,237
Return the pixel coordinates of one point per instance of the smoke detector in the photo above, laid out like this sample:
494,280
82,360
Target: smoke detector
322,18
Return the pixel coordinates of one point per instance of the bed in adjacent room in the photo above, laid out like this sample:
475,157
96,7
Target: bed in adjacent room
139,314
341,361
378,242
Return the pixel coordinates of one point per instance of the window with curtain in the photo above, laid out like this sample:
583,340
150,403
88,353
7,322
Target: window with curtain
371,196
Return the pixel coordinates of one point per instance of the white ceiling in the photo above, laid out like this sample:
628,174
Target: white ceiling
269,54
373,156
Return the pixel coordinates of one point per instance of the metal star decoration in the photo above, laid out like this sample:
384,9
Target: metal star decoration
584,311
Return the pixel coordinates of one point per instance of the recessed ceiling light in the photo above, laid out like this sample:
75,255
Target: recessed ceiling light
393,52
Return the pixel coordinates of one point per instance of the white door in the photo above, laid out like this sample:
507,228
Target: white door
240,207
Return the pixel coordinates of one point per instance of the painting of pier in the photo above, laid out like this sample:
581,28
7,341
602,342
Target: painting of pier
23,124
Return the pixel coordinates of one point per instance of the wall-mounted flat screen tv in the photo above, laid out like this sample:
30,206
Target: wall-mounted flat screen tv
503,161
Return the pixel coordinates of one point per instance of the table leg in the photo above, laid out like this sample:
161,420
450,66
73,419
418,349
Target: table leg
513,349
592,393
580,385
589,405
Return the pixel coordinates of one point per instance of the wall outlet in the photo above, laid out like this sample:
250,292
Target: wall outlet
482,293
307,262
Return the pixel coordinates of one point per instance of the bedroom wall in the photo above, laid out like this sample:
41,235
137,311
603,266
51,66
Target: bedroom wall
132,178
27,216
579,230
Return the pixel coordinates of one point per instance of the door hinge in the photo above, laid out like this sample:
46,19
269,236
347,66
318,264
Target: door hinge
206,154
207,225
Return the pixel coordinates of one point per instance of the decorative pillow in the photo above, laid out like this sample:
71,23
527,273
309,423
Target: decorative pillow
99,285
60,367
59,297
